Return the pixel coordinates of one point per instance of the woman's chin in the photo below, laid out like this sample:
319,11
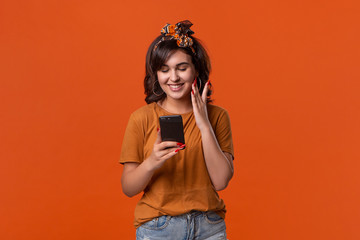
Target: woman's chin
178,96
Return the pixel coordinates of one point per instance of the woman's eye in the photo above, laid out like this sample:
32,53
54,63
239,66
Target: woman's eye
164,70
182,69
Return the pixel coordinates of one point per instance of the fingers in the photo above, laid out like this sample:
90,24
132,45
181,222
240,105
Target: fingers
166,150
195,94
171,151
195,91
166,144
193,97
169,155
170,144
197,100
205,91
163,151
163,148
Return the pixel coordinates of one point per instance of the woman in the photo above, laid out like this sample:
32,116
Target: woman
180,184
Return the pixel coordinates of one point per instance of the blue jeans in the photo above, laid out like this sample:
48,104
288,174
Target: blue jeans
194,225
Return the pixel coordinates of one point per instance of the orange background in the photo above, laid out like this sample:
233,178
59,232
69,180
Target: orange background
287,71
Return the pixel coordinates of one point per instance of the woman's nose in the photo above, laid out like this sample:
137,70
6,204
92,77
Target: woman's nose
174,76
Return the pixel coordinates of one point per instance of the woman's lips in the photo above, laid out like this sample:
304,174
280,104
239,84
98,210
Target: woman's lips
176,87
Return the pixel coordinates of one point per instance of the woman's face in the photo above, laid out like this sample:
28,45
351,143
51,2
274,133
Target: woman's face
176,75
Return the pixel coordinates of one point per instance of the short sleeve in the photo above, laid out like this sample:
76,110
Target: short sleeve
223,133
132,146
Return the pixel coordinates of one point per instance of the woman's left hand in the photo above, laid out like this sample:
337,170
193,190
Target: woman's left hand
199,106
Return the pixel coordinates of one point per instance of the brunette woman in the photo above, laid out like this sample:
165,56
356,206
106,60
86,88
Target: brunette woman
179,183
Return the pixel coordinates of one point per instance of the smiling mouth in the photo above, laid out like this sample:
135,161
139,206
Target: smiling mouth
175,87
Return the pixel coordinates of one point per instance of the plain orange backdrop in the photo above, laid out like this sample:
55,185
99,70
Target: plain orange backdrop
287,71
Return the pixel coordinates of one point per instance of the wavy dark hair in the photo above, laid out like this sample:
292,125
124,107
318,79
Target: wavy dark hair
155,59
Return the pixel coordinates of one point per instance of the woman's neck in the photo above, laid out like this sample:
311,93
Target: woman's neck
176,106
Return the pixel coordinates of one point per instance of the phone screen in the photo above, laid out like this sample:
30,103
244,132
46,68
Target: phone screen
172,128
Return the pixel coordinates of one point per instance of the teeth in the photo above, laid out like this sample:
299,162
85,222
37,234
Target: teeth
175,86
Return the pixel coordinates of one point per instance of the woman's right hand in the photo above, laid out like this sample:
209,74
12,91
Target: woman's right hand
162,151
136,176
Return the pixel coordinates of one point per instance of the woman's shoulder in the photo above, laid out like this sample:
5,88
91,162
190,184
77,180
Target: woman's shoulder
217,114
148,108
218,117
143,112
216,110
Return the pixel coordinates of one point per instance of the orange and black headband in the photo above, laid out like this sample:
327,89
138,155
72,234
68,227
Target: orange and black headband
181,32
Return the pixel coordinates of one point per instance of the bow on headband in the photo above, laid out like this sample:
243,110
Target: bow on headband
181,32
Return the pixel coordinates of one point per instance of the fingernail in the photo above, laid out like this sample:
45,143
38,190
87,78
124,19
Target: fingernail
177,150
180,144
209,82
157,129
192,91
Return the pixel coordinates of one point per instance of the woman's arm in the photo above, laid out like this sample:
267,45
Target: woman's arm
219,164
136,176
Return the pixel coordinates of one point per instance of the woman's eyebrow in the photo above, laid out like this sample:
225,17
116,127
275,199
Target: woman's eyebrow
182,63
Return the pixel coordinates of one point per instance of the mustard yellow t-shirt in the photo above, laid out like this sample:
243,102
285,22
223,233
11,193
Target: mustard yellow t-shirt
182,184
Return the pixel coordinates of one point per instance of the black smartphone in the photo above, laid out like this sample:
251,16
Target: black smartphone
172,128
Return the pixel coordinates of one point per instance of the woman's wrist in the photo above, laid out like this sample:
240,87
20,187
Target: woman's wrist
148,165
205,128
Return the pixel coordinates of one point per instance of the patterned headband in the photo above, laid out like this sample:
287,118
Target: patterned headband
181,32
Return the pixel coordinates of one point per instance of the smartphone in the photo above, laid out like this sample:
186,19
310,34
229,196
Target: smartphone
172,128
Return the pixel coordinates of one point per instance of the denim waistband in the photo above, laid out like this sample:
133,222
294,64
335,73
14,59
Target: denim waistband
191,214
